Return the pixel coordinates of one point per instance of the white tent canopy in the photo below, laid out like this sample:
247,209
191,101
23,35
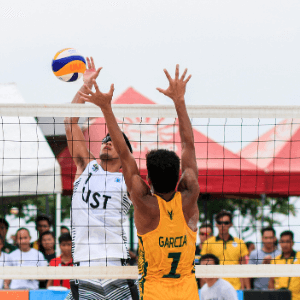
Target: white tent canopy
28,165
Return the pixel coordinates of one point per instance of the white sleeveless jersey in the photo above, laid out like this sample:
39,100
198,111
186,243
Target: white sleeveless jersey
99,207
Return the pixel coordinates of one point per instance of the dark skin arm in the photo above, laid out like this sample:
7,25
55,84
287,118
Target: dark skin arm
75,138
138,190
188,184
146,206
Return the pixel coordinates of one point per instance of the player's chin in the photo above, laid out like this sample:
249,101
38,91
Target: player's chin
105,156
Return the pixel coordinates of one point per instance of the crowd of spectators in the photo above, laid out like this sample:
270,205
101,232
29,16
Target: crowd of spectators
225,249
39,253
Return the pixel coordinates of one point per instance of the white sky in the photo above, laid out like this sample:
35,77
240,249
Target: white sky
239,52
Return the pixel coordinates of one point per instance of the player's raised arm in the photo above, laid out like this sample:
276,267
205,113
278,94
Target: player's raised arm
75,138
176,92
103,100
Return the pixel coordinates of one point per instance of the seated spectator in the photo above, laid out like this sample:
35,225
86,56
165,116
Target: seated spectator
42,224
48,245
205,231
24,256
216,288
264,256
64,229
65,259
3,231
4,260
229,250
288,256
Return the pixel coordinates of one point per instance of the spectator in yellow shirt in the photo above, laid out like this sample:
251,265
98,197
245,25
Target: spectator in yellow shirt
230,250
288,256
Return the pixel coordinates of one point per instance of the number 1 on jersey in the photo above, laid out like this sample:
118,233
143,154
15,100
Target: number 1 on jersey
174,265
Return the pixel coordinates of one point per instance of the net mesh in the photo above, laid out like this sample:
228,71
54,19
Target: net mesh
247,159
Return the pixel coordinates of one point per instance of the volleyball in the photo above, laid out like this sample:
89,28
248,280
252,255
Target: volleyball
68,65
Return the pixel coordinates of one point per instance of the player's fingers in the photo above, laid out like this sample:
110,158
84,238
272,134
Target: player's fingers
89,91
84,96
96,86
177,72
93,64
88,62
183,75
112,88
187,80
97,73
161,91
168,75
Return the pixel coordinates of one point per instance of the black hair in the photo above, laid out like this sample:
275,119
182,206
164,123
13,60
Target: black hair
163,170
65,237
3,221
46,233
22,228
126,140
64,227
2,240
224,213
206,225
248,244
210,256
43,217
287,232
269,228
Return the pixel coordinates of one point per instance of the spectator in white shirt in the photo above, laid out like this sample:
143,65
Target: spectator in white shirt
3,258
23,257
216,288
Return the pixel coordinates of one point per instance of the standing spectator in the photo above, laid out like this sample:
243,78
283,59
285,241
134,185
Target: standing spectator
205,231
264,255
4,259
64,229
288,256
48,245
3,231
42,224
65,259
230,250
24,256
216,288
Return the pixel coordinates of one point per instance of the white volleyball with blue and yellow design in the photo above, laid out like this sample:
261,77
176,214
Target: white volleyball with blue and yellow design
68,65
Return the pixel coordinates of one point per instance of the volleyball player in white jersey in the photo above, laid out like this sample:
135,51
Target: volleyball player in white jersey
99,207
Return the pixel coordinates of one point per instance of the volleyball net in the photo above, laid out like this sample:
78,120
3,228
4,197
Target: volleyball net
248,160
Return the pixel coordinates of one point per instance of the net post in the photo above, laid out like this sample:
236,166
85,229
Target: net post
58,221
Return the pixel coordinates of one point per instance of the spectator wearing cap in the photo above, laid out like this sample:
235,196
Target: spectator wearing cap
229,250
42,224
288,256
64,260
8,248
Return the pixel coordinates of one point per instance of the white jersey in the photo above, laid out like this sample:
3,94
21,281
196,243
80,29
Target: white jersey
99,208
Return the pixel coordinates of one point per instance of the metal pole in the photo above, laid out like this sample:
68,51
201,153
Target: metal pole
58,221
263,201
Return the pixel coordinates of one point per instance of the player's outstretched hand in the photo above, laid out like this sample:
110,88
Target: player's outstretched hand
100,99
90,73
176,89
